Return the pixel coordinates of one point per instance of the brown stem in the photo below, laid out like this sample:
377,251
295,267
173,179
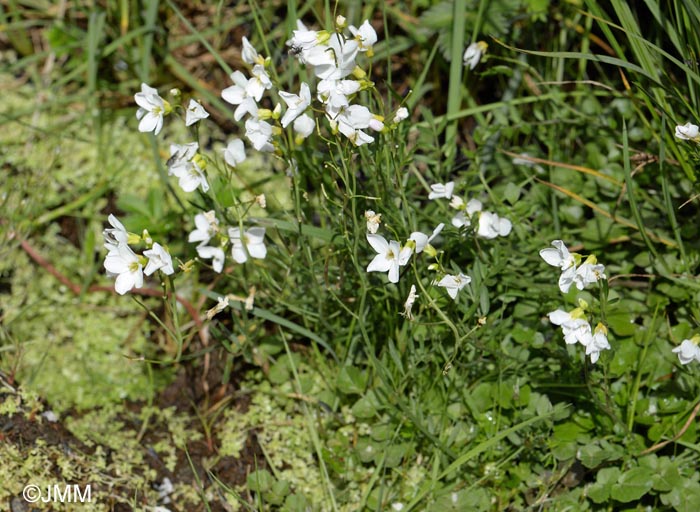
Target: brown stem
658,446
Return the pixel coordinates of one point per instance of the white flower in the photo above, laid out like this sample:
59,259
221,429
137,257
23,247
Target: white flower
304,40
184,163
152,109
334,94
296,104
373,221
473,53
258,83
401,114
259,133
491,225
234,153
334,60
597,343
124,263
457,203
559,256
304,126
688,350
390,256
439,191
454,284
216,254
249,54
688,132
195,112
252,244
408,305
115,235
158,259
237,95
207,226
562,258
366,36
573,324
422,240
590,272
351,121
190,176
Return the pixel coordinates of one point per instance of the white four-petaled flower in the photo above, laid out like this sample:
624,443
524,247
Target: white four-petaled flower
390,256
158,259
250,243
152,109
454,284
195,112
124,263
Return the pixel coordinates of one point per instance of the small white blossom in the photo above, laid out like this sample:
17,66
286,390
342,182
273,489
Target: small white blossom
237,94
158,259
234,153
373,221
258,83
249,54
152,109
562,258
492,226
259,133
422,240
366,36
207,226
401,114
251,243
124,263
115,235
590,272
597,343
195,112
216,254
454,284
473,53
296,104
304,126
688,131
573,325
334,60
439,190
688,350
390,256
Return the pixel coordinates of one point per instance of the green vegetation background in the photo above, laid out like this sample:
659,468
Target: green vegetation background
327,399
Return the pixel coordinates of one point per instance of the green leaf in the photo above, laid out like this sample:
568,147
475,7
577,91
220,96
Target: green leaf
351,380
633,484
260,480
599,492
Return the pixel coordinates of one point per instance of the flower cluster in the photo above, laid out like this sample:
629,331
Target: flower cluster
576,329
124,264
332,59
245,244
488,225
574,324
573,271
